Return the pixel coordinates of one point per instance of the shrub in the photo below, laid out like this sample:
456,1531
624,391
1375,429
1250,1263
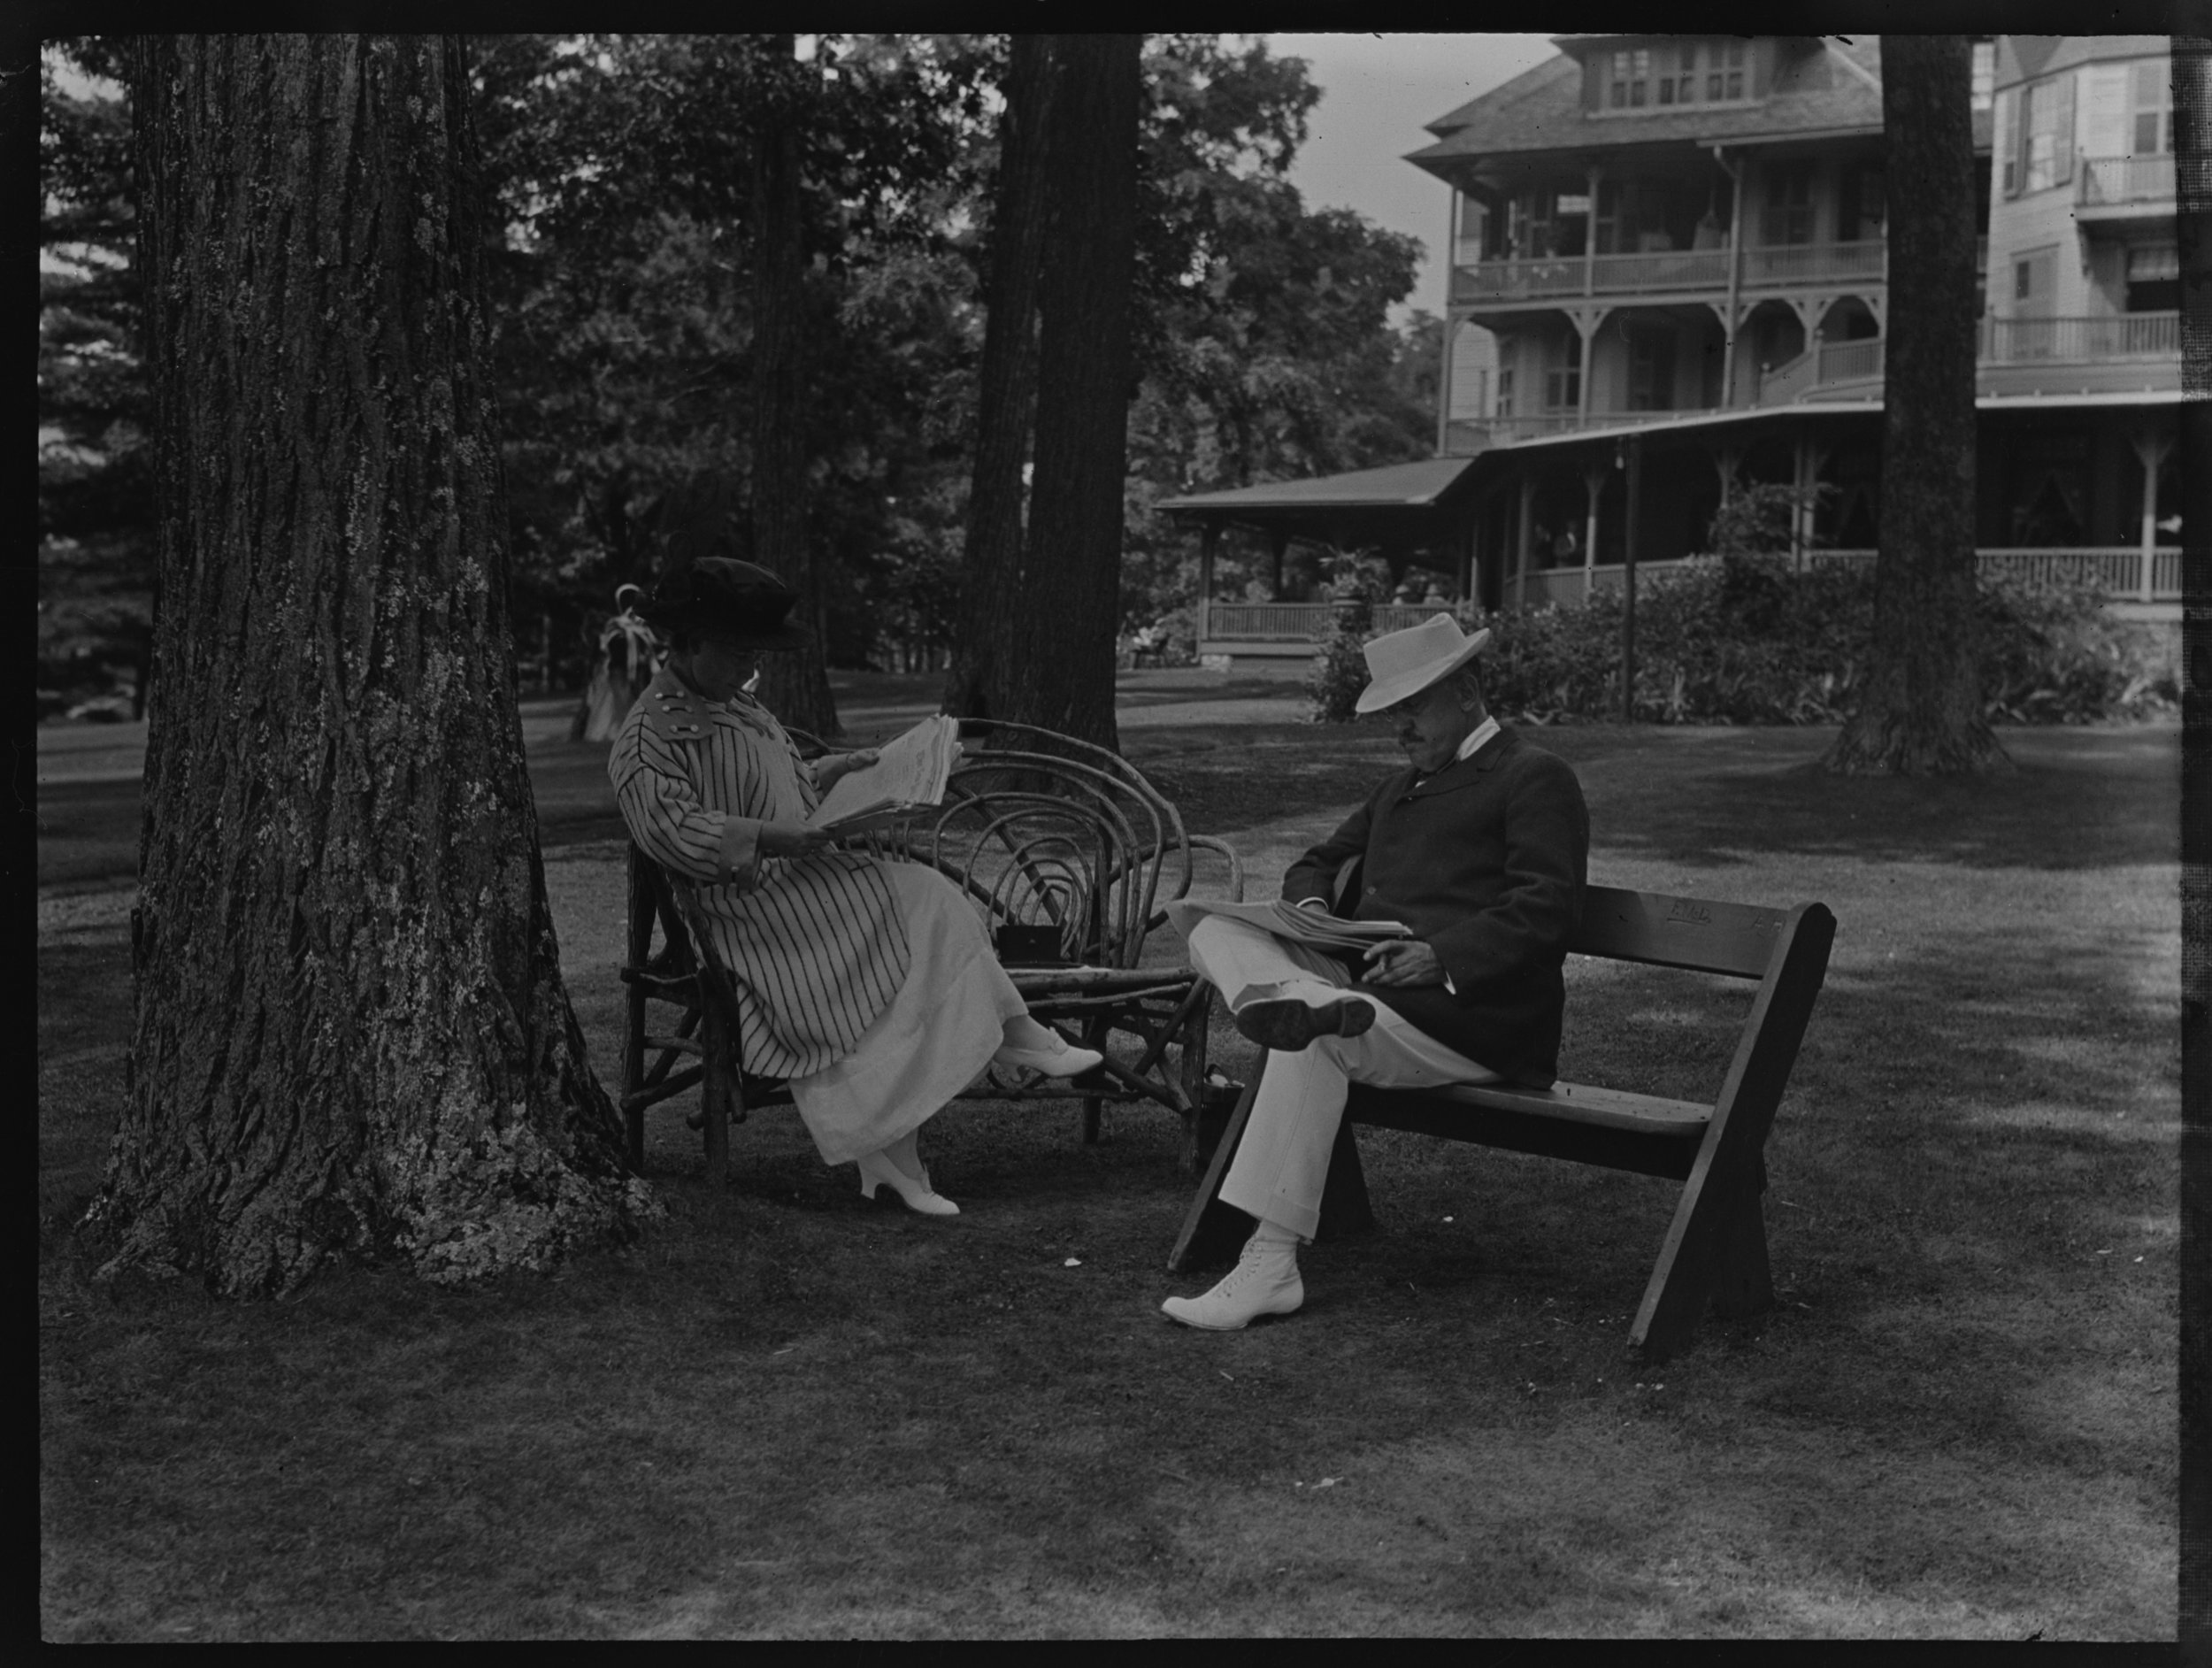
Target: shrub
1740,639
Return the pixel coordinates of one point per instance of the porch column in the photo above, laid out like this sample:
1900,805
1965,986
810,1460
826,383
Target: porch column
1209,539
1735,279
1811,459
1590,235
2151,450
1277,544
1444,367
1586,319
1727,459
1635,484
1594,476
1522,540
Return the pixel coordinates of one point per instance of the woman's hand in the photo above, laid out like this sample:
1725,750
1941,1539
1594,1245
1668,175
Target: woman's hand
791,840
831,767
1403,961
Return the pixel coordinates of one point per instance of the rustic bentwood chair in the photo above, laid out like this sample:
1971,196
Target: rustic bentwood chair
1071,857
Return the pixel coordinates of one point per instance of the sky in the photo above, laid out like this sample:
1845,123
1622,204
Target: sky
1377,90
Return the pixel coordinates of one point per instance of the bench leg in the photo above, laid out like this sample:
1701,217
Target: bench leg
1213,1232
1094,1034
716,1090
1744,1286
1716,1244
1345,1209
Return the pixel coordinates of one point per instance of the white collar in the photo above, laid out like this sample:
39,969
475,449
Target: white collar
1482,732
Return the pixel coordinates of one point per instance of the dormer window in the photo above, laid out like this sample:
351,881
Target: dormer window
1631,79
1673,73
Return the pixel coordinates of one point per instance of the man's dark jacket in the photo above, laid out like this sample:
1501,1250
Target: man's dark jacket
1485,860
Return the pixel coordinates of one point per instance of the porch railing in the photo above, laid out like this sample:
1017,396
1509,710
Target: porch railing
2112,180
2116,570
2127,335
1764,266
1307,622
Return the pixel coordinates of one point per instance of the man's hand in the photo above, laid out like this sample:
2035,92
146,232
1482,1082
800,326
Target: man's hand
831,767
791,840
1402,961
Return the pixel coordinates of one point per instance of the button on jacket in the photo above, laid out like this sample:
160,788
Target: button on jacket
1485,860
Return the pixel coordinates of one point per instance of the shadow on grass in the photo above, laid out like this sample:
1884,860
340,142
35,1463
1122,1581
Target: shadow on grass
2079,800
788,1412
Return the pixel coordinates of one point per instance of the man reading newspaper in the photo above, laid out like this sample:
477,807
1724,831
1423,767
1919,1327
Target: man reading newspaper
1475,857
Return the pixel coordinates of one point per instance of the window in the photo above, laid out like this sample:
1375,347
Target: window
1680,87
2155,277
2046,127
1985,73
2022,280
2154,108
1563,375
1651,371
1630,79
1788,217
1505,390
1724,79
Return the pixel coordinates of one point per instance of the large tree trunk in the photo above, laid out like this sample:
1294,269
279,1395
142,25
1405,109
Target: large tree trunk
987,645
795,685
351,1037
1070,601
1921,710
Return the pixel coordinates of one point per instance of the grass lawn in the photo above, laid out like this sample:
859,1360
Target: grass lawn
787,1412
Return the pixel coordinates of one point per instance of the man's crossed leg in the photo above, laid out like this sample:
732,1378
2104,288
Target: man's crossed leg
1282,1162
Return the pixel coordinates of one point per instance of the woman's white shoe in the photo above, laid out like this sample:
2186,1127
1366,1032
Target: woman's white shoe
1057,1061
877,1170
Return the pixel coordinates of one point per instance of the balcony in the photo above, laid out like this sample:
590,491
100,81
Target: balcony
1666,272
2110,352
2123,188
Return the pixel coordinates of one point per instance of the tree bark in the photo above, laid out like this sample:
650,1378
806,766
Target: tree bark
1921,711
1070,599
987,647
351,1038
795,685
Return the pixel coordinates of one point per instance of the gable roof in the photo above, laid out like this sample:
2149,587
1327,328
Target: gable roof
1541,110
2024,57
1417,486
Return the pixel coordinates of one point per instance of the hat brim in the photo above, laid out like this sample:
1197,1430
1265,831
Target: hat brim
1389,691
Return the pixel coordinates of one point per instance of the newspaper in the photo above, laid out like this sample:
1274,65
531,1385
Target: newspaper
1316,927
909,774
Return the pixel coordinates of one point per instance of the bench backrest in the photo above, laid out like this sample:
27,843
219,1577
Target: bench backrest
1699,933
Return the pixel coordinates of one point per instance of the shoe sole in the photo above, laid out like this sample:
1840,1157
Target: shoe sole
1288,1026
1199,1326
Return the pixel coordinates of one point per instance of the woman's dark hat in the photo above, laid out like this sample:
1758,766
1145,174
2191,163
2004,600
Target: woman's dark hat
733,600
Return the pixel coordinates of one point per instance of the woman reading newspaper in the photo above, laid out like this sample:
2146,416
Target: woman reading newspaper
869,985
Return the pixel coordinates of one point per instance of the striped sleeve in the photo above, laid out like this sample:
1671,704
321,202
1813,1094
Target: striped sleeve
667,819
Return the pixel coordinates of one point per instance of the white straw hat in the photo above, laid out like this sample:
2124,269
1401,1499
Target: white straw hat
1404,663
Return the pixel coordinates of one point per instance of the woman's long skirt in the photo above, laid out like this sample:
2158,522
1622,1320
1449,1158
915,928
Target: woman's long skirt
936,1038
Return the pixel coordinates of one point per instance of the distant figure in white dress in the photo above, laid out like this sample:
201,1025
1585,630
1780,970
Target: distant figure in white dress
629,654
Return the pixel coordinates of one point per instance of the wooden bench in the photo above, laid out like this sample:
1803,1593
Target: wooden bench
1715,1250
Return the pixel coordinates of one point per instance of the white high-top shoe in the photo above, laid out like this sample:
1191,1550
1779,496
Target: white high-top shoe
1265,1281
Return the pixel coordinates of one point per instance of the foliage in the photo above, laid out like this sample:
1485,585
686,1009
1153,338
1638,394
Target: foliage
96,575
620,294
1740,640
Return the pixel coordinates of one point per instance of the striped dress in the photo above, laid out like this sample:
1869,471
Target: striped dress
816,944
870,987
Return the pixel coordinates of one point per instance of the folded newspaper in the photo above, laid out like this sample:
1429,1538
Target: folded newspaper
1316,927
909,775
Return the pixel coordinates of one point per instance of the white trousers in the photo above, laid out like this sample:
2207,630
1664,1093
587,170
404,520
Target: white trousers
1283,1160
